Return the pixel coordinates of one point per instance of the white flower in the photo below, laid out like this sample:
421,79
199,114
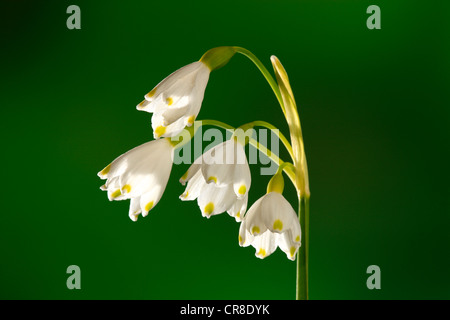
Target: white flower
175,102
221,181
270,222
141,175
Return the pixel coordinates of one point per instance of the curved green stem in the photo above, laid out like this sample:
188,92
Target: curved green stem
288,170
284,165
216,123
280,135
265,73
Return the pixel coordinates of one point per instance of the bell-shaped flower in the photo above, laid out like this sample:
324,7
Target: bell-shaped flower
175,102
220,180
271,222
140,175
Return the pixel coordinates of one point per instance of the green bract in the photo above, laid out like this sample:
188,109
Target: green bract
217,57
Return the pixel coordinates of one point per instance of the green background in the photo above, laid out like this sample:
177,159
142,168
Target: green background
374,107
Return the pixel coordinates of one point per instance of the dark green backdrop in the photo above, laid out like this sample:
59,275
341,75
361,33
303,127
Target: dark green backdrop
374,108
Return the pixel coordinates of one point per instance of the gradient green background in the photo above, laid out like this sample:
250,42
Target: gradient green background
374,108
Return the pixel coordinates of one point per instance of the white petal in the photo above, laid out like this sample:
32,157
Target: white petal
180,101
146,105
245,238
115,194
190,173
171,115
167,83
135,208
277,213
218,164
295,232
174,128
129,158
238,209
198,91
151,170
253,220
242,180
214,200
151,105
242,176
112,186
115,168
265,244
150,199
286,243
179,98
158,120
194,187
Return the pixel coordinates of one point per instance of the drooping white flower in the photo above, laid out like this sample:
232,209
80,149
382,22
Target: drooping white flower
140,175
175,102
271,222
220,182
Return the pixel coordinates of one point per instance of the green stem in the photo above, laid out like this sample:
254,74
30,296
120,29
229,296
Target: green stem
219,124
280,135
303,253
265,73
284,165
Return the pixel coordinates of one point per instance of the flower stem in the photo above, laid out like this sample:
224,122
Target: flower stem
280,135
303,253
273,84
301,170
217,123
